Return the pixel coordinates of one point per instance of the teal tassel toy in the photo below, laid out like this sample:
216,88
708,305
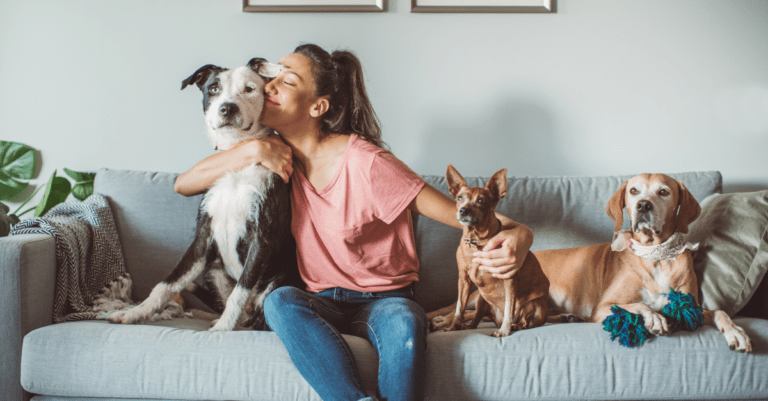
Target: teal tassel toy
682,312
628,327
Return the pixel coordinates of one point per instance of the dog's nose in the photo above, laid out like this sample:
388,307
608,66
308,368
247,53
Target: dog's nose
644,206
228,109
463,212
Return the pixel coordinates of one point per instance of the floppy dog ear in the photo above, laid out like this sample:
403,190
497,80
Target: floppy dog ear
264,68
688,208
201,75
455,181
498,184
615,208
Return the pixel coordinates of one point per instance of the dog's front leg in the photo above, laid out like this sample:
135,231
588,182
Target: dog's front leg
737,338
461,305
505,328
655,322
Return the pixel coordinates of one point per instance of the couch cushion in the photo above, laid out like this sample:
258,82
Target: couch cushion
562,212
154,223
579,361
732,259
176,359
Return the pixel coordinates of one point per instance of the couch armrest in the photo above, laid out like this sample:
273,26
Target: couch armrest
27,283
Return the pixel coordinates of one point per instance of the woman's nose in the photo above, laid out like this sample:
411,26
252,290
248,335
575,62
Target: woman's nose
270,87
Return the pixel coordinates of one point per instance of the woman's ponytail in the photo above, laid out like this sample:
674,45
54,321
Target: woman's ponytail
340,77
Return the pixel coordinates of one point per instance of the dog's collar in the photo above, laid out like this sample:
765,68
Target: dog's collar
474,242
668,250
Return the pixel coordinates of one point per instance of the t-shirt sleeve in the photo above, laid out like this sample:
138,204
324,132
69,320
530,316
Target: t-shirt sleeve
393,186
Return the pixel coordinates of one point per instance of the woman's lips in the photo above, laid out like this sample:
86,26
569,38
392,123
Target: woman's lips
272,101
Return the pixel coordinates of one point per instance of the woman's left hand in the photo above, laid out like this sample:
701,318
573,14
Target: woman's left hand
505,253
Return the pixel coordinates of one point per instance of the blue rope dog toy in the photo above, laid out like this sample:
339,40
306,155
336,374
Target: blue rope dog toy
682,313
628,327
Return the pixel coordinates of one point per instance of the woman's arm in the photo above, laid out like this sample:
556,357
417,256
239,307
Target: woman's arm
505,252
271,152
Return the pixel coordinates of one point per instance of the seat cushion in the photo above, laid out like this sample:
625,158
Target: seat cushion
176,359
579,361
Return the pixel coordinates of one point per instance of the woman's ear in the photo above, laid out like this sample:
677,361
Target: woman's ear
319,107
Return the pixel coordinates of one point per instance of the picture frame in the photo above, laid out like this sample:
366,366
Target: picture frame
314,5
483,6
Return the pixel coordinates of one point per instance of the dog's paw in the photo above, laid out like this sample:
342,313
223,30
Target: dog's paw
737,338
439,323
130,316
221,325
656,323
501,333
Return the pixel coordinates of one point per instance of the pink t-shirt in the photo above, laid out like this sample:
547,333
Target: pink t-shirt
357,233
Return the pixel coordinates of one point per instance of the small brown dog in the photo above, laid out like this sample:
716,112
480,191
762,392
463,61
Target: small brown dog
513,304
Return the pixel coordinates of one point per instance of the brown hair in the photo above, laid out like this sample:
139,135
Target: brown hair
340,77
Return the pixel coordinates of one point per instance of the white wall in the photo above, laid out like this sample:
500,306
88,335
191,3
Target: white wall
601,87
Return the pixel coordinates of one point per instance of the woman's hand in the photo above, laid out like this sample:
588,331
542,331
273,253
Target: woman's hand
505,253
273,154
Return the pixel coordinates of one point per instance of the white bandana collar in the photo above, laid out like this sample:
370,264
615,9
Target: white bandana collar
668,250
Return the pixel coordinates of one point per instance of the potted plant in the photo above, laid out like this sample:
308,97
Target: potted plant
18,165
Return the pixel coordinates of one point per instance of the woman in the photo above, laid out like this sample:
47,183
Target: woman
351,204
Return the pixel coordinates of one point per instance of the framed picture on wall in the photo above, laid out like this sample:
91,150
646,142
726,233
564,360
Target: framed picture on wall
314,5
482,6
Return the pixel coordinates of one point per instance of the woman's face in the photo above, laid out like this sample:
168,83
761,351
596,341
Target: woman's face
290,96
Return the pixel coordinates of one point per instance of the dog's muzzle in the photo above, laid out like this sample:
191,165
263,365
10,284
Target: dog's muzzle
466,217
229,115
644,218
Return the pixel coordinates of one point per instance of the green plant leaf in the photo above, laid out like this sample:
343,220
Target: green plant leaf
17,162
6,220
83,183
56,191
10,187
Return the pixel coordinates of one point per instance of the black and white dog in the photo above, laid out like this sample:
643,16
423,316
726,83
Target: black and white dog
243,241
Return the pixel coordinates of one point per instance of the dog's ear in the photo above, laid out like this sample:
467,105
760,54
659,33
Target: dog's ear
264,68
201,75
498,184
455,181
688,208
615,208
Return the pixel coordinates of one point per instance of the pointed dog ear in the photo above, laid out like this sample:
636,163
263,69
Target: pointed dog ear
615,208
264,68
455,181
201,75
498,184
688,208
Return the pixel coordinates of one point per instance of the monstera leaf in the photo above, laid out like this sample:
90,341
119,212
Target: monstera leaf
17,162
6,220
83,183
56,191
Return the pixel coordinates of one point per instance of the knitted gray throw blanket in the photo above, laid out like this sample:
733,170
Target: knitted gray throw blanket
91,280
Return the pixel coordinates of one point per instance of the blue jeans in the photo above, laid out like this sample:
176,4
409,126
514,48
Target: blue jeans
310,325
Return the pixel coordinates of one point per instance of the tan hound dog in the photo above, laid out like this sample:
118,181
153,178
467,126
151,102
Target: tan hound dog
638,269
516,303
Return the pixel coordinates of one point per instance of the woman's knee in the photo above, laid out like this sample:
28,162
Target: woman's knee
280,302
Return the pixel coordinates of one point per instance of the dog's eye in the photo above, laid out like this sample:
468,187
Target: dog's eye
634,191
664,192
249,89
481,200
460,198
213,90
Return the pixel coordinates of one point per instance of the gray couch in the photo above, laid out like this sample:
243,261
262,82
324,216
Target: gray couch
180,359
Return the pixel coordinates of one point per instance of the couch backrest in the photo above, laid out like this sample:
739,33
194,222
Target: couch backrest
156,225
